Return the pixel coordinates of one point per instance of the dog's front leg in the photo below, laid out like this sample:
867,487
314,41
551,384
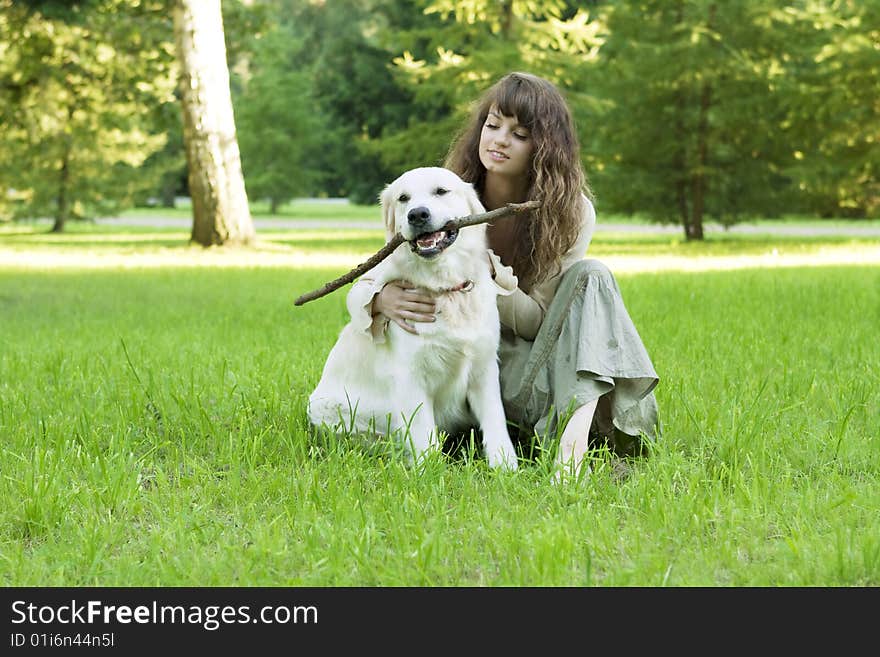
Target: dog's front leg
484,398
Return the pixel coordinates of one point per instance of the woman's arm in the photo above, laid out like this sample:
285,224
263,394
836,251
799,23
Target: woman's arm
373,303
517,310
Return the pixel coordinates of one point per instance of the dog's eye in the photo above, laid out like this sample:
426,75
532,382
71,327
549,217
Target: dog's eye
440,191
403,198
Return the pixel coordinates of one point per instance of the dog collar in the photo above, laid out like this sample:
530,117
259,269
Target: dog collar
467,286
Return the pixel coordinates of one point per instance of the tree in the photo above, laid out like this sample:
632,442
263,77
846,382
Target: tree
694,110
243,22
833,119
471,44
343,50
219,200
280,130
82,82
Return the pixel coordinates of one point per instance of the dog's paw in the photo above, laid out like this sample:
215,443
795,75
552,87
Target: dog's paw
502,456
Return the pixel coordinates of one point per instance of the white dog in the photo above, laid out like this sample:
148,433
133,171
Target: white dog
446,377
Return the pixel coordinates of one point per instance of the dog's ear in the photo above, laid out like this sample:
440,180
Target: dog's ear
474,204
387,211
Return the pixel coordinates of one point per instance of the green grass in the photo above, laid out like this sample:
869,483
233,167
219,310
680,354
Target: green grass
153,432
341,210
30,237
299,209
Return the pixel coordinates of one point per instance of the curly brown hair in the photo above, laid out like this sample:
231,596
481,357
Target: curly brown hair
556,177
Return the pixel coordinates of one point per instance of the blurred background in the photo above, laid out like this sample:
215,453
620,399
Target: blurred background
687,110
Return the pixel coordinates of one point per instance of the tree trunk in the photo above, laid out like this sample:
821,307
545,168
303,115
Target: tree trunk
62,201
507,17
62,211
698,182
219,200
680,167
681,156
168,192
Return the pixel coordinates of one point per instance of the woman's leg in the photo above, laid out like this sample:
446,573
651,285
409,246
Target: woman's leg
587,349
574,441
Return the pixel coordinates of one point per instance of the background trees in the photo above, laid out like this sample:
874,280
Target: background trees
278,124
833,117
694,94
458,48
688,110
82,87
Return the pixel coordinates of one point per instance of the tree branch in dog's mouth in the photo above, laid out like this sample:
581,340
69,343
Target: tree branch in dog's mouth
430,245
453,226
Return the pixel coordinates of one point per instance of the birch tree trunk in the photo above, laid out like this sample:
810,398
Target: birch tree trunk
216,184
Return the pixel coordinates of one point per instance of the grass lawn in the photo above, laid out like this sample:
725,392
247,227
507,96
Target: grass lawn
331,209
153,430
342,210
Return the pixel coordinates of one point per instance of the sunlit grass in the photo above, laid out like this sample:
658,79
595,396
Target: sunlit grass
154,433
92,246
342,210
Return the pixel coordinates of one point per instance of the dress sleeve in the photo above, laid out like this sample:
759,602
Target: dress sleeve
360,302
517,310
588,227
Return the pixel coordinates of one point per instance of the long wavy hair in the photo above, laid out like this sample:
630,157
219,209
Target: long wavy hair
556,177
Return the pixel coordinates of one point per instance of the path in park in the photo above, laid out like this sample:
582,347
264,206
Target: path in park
745,228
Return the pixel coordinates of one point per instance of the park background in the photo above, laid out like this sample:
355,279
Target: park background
152,390
685,109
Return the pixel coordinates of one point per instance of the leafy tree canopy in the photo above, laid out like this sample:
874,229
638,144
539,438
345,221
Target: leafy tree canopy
84,83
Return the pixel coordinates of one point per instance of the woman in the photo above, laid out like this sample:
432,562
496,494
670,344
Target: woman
570,356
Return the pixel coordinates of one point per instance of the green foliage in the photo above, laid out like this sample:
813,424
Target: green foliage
833,124
279,130
690,118
83,89
350,64
166,168
743,108
310,90
686,110
461,47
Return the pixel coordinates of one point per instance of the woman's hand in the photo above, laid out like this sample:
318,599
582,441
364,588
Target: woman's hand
404,303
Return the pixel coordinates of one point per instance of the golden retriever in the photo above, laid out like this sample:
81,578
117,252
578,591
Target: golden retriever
445,379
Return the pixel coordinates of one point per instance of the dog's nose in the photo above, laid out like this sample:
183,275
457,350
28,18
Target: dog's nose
418,216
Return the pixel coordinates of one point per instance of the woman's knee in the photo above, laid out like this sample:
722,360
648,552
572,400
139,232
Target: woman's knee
583,270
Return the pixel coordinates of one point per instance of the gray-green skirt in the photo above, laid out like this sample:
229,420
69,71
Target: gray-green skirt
587,348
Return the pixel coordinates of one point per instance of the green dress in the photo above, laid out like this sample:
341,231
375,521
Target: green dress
587,348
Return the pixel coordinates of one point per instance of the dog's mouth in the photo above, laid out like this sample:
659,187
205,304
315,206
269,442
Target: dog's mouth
430,245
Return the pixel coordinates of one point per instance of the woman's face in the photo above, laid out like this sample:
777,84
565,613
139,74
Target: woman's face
506,147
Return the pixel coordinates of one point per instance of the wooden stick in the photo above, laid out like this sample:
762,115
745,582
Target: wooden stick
398,239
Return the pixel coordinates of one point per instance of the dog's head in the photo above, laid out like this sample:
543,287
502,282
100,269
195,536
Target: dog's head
421,204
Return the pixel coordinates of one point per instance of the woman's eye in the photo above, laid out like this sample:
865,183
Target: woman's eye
440,191
520,136
491,126
403,198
